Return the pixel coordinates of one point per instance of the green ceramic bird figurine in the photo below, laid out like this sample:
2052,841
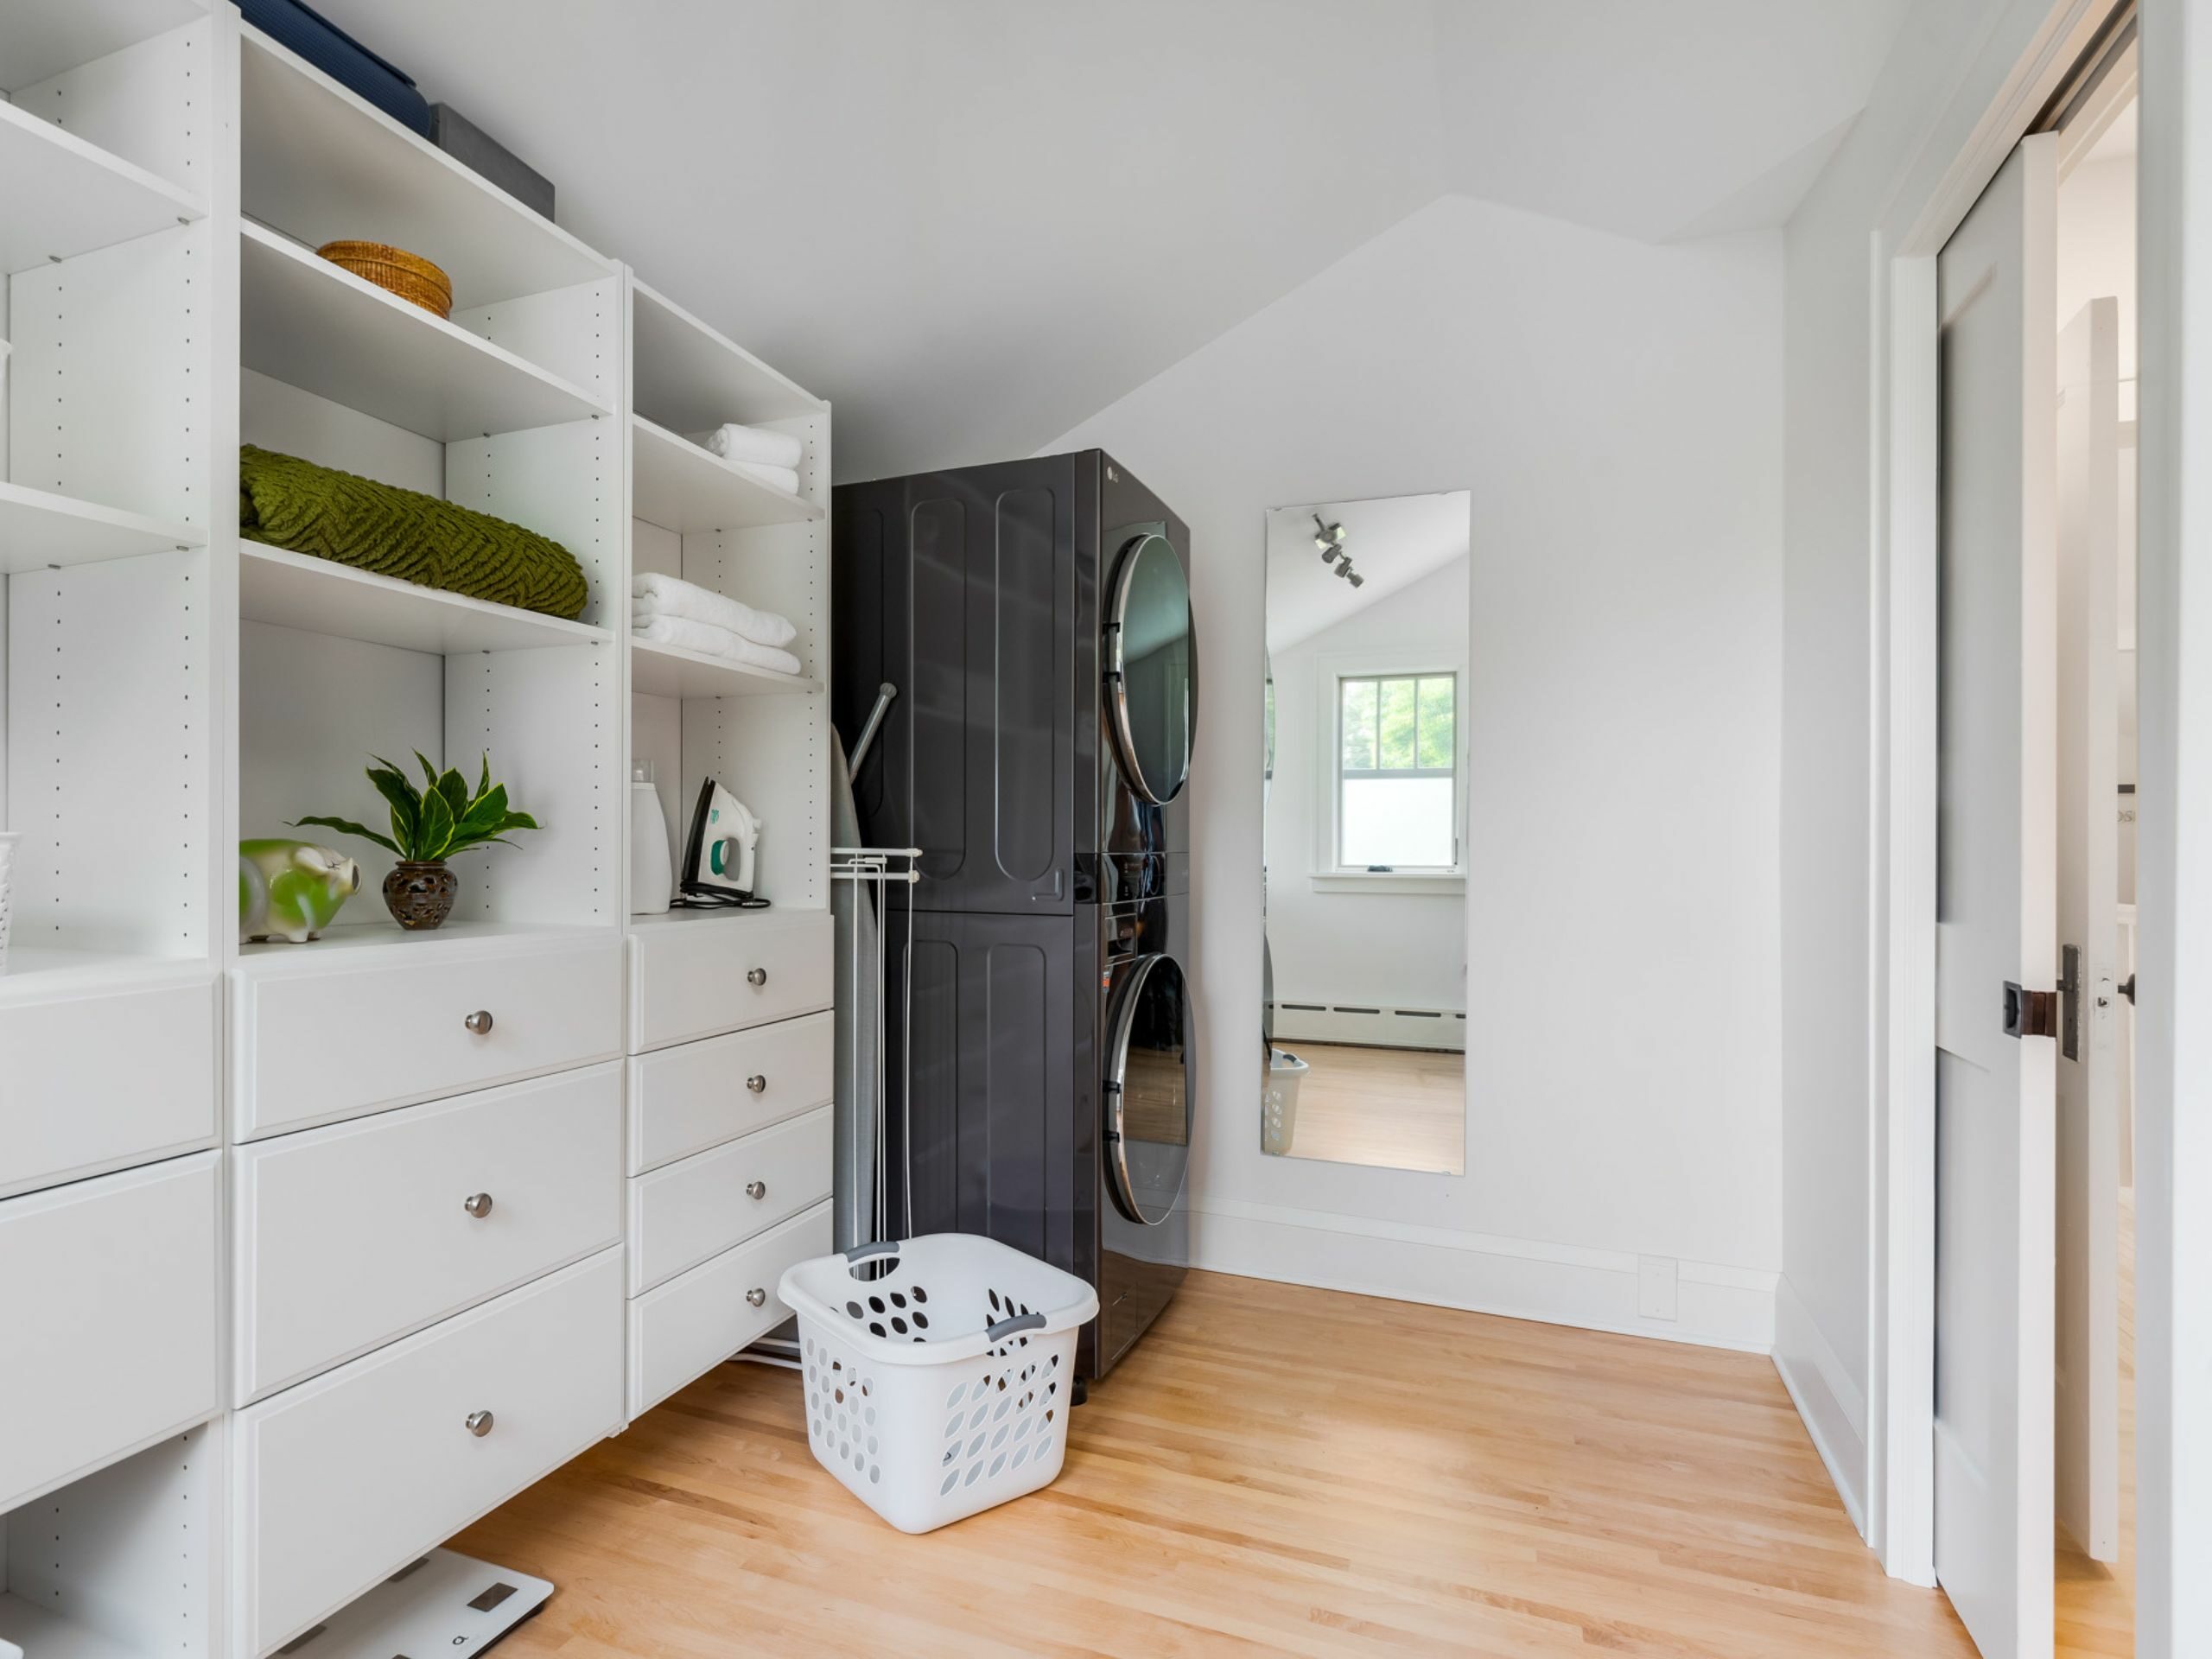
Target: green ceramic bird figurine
291,889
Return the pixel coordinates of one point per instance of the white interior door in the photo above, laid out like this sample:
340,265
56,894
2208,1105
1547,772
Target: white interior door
1996,882
2091,1030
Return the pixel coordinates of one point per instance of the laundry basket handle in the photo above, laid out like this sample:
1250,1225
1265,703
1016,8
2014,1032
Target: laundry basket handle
1006,1328
862,1252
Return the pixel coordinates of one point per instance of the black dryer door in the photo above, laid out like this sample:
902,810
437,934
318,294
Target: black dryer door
1151,657
1151,1066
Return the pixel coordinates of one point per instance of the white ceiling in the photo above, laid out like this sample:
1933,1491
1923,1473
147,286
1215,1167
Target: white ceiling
1393,541
973,223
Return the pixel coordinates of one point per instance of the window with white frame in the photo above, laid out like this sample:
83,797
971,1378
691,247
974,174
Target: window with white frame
1397,772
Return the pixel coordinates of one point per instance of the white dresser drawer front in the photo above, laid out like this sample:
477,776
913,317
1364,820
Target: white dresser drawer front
96,1082
352,1235
695,1096
344,1480
109,1309
682,1214
321,1041
693,1323
700,976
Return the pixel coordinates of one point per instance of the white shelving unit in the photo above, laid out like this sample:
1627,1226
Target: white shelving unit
40,530
60,196
168,688
320,328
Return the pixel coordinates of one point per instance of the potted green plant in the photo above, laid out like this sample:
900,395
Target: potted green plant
428,826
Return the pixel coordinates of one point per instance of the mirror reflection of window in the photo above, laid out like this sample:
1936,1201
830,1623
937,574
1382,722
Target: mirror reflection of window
1364,789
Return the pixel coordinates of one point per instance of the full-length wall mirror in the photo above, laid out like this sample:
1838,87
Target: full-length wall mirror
1365,788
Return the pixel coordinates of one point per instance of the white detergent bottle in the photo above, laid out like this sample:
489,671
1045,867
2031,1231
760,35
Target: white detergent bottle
652,876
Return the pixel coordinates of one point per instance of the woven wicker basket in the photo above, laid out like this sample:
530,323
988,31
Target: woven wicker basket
394,270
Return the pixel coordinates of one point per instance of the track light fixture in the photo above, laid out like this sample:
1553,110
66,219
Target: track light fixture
1329,538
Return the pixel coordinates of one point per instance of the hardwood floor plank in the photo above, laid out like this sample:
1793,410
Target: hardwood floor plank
1274,1470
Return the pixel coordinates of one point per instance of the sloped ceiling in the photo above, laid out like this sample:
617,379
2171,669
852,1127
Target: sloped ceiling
973,223
1393,542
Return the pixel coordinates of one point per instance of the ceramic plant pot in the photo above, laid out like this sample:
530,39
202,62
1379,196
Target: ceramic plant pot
420,896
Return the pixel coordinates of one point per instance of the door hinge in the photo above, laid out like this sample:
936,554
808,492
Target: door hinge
2069,989
2029,1014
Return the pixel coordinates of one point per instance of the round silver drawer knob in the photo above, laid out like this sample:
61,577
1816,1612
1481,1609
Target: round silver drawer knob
756,976
757,1296
478,1423
756,1189
478,1204
479,1022
756,1083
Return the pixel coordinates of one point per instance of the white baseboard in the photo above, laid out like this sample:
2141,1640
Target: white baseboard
1826,1397
1519,1279
1375,1027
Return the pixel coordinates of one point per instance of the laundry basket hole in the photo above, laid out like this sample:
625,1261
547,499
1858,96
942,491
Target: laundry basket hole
868,1414
897,1300
994,1295
875,1473
999,1438
899,1324
981,1412
974,1473
920,1294
953,1399
1004,1405
950,1481
952,1429
1020,1457
1021,1429
875,1327
853,1308
997,1464
921,1319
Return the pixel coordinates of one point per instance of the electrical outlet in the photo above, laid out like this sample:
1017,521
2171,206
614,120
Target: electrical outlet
1657,1278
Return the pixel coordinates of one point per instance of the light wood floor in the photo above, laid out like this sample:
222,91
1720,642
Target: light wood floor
1386,1107
2096,1602
1274,1470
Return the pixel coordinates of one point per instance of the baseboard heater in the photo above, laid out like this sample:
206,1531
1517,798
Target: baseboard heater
1370,1026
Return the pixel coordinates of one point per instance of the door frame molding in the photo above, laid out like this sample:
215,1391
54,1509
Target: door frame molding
1901,1035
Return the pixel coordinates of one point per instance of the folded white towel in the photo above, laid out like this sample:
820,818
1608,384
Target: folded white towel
711,641
756,444
657,596
776,478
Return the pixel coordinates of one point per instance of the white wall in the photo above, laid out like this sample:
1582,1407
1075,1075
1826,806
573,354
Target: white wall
1615,409
1948,66
1409,950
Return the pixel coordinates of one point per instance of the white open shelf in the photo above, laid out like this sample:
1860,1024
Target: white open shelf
40,530
661,671
678,485
42,1635
60,196
307,323
690,378
39,41
375,930
326,166
38,971
297,590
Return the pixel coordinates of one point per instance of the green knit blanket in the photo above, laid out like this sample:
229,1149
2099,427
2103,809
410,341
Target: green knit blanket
295,504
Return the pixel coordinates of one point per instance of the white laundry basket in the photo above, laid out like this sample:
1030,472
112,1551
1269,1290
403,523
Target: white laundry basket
937,1372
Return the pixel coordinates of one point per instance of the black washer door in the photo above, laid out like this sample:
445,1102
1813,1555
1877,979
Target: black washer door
1151,1065
1151,678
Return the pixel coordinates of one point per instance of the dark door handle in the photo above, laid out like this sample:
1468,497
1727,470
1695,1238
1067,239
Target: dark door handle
2127,987
2029,1014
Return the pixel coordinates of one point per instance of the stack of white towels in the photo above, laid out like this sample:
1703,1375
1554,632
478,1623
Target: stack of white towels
770,457
672,611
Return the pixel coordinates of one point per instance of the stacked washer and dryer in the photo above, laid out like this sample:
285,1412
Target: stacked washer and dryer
1035,619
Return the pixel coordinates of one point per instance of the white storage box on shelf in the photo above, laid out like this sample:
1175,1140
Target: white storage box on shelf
937,1372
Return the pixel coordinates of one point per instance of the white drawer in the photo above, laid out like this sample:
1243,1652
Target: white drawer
682,1214
109,1310
693,1323
351,1235
359,1030
695,1096
343,1480
691,975
97,1082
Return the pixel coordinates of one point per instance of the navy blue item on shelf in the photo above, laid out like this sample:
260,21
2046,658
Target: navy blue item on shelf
341,57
